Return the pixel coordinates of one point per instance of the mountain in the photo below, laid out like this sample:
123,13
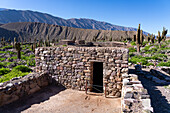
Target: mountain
31,30
1,9
11,16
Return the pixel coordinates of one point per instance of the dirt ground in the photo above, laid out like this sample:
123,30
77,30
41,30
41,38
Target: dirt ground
54,99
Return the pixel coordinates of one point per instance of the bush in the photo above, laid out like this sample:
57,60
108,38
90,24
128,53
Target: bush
2,59
146,48
144,43
4,71
164,64
7,47
64,45
13,57
22,68
1,65
149,64
133,43
12,74
131,49
136,59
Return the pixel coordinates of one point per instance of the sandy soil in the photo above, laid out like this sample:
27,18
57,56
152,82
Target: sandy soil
55,99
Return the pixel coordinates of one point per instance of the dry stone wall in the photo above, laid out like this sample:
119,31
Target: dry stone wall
16,88
72,66
135,98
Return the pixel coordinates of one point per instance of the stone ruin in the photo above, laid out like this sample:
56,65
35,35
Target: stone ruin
102,70
95,69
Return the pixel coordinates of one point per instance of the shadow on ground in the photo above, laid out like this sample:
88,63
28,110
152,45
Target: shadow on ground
36,98
158,101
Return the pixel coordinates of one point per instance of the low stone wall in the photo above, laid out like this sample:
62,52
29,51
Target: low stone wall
18,87
73,66
135,98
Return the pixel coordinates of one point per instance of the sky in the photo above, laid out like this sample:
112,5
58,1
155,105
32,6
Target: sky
153,15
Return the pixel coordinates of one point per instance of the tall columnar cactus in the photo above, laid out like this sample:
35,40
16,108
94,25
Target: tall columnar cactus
164,32
18,48
139,38
152,38
3,42
14,42
134,38
34,45
159,38
148,38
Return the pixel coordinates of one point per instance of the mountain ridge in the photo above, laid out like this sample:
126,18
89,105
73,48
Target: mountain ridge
12,15
31,30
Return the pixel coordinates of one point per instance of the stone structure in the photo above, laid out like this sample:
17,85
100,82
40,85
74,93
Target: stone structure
73,66
18,87
135,98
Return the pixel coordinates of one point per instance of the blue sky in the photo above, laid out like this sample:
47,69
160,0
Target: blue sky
151,14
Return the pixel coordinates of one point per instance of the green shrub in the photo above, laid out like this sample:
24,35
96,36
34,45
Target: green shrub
7,47
4,71
1,65
131,49
22,68
2,59
164,64
146,48
149,64
133,43
12,74
136,59
13,57
144,43
64,45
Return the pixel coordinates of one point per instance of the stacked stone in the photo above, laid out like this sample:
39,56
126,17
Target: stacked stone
135,98
72,66
18,87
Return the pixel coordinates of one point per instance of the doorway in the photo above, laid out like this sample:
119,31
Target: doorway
97,77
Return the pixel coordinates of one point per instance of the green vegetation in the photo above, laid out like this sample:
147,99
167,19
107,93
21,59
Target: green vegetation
6,47
4,71
144,60
164,64
2,59
22,68
64,45
17,71
133,43
131,49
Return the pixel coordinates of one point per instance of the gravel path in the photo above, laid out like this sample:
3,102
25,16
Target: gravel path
54,99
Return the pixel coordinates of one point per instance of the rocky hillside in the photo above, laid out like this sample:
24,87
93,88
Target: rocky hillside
11,16
41,30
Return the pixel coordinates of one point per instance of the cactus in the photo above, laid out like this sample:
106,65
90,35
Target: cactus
152,38
134,38
18,48
34,45
159,39
9,41
148,38
110,39
3,42
14,42
164,32
74,39
139,38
